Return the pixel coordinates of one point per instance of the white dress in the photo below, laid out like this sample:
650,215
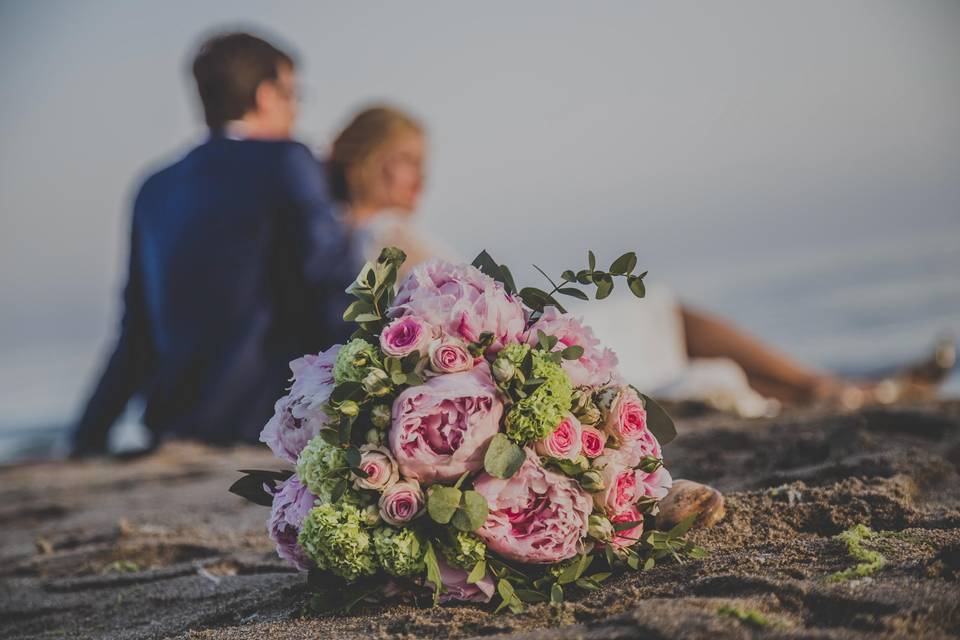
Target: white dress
647,335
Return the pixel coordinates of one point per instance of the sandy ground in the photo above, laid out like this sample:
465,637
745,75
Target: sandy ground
156,547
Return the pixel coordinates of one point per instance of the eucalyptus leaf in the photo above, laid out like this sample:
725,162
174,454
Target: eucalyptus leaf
573,293
503,458
624,264
591,260
472,512
604,286
659,421
636,286
353,457
442,503
573,352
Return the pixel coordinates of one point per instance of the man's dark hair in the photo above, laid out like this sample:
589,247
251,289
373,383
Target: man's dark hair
228,69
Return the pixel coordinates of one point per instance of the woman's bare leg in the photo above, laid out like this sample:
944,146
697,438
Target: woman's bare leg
770,372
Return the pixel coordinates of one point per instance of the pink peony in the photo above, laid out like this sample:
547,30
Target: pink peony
442,428
462,301
456,587
564,443
625,417
450,356
622,486
596,367
401,502
291,503
380,466
631,536
593,441
298,416
536,516
405,335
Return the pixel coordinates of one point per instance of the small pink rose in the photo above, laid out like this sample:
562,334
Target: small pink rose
405,335
622,485
380,467
401,502
626,417
448,355
564,443
655,485
593,441
631,536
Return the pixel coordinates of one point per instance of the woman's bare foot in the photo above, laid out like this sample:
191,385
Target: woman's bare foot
687,498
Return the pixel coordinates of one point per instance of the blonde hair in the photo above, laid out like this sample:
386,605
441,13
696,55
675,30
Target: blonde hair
354,150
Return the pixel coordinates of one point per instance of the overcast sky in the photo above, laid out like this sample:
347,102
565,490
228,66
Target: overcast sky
715,138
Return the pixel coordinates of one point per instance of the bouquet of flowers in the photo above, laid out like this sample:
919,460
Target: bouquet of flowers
470,439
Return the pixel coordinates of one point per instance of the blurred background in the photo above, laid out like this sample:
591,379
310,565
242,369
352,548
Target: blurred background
795,166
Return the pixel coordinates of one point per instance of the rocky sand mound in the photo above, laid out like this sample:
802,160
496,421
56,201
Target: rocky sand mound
156,547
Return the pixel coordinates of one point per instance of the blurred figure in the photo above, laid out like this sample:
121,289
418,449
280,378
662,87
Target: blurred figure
376,168
237,263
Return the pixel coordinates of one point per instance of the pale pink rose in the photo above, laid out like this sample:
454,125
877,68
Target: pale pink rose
299,416
405,335
536,516
564,443
632,452
291,503
456,587
592,440
442,428
655,485
631,536
462,301
449,355
401,502
626,417
380,466
622,486
596,367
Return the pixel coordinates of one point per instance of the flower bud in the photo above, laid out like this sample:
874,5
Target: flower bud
649,464
372,436
591,481
377,382
371,515
349,408
589,415
600,528
579,400
503,370
380,416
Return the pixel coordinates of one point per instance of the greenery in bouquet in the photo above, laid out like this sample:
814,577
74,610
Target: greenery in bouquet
471,440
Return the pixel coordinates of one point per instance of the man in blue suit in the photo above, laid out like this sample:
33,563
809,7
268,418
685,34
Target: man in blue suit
237,264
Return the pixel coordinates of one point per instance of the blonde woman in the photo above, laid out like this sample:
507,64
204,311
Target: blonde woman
376,169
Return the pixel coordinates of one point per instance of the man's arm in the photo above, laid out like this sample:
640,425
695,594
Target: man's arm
125,370
325,252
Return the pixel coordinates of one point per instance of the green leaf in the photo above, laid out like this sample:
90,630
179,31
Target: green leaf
505,589
538,299
624,264
531,596
698,553
355,309
659,421
623,526
251,488
573,293
476,574
433,571
591,260
584,276
636,286
588,584
442,503
604,286
503,457
649,564
573,352
508,282
681,528
353,457
575,569
472,513
600,577
568,276
556,595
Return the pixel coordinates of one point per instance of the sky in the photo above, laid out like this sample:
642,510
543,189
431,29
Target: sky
727,143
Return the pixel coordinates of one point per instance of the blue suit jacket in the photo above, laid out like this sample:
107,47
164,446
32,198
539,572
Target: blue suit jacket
237,266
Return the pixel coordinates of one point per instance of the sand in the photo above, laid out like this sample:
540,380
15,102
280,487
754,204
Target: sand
157,548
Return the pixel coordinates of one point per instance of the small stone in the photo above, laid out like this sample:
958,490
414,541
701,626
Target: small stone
687,498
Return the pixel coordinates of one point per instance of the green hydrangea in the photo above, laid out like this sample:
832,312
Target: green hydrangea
398,550
354,360
536,416
463,550
334,537
314,467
